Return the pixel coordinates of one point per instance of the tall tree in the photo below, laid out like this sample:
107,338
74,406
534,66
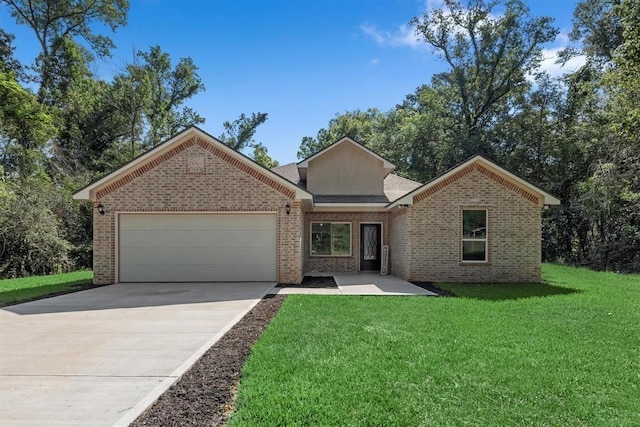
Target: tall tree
597,27
169,88
239,134
490,47
52,20
25,128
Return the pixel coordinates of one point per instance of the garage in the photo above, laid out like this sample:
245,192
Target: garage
238,247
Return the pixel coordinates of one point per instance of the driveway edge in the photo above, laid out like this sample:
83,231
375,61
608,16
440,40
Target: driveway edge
132,414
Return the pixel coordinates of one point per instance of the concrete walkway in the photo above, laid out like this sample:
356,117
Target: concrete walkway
100,357
362,284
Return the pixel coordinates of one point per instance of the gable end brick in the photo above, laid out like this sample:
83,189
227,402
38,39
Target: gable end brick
533,198
252,172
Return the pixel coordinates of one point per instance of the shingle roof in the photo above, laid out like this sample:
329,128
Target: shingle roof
289,172
396,186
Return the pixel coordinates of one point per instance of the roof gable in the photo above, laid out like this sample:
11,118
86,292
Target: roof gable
304,164
487,168
176,145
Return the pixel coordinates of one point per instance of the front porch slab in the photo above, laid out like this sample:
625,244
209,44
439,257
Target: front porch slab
361,284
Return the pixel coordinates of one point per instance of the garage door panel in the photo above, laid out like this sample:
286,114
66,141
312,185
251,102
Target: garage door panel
197,247
196,239
214,256
198,222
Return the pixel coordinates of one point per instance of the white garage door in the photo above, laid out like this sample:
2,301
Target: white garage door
197,247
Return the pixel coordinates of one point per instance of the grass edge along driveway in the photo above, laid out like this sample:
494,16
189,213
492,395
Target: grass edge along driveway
567,353
14,291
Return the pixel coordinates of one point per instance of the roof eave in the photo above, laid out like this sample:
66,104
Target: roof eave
86,192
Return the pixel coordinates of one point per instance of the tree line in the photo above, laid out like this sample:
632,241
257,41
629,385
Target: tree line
577,136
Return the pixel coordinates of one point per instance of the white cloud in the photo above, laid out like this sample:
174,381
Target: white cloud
404,35
550,63
553,68
374,61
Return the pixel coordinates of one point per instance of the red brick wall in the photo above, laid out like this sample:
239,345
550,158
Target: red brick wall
435,228
399,243
221,185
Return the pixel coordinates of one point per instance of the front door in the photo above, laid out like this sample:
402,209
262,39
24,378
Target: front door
370,244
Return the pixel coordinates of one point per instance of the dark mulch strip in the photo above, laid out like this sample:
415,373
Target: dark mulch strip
315,282
75,288
430,287
205,394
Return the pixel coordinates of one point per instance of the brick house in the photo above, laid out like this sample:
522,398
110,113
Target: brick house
192,209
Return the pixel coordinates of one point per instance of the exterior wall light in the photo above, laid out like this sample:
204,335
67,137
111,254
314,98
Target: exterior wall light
101,209
287,208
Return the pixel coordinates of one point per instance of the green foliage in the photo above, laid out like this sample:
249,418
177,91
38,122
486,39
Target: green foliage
357,125
25,127
169,87
52,20
596,25
532,354
239,134
31,236
489,55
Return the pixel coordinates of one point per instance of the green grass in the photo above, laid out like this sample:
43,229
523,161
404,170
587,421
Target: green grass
13,291
566,352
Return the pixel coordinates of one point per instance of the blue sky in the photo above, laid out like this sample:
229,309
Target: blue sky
299,61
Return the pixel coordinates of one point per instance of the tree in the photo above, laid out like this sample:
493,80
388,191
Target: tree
357,125
25,128
7,61
31,237
169,89
52,20
597,27
261,156
489,54
239,134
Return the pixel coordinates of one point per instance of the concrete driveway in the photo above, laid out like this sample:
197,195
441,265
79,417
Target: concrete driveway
99,357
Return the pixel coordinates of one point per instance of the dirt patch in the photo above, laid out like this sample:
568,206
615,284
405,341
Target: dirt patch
313,282
205,394
430,287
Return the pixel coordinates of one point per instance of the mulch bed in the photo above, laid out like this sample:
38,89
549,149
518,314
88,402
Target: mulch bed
313,282
205,394
430,287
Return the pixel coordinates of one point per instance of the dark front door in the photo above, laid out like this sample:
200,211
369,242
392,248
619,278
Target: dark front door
370,243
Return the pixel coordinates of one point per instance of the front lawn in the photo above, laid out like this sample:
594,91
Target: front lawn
564,353
13,291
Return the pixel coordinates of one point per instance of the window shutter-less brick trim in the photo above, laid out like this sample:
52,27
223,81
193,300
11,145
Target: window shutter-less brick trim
252,172
533,198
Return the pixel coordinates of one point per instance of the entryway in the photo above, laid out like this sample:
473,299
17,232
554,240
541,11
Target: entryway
370,246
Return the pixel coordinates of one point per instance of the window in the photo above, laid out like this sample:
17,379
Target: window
331,238
474,235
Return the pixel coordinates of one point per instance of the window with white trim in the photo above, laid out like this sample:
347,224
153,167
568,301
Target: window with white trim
330,238
474,235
